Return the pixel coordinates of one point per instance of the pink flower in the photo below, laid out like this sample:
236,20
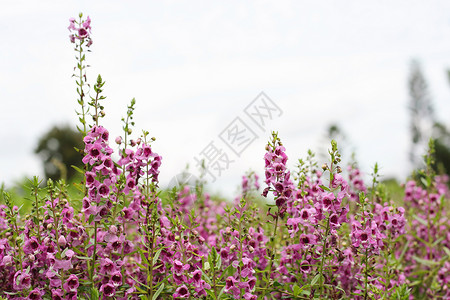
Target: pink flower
62,241
181,292
87,23
7,260
22,281
31,245
82,33
72,24
71,283
36,294
108,290
107,266
249,296
57,294
116,278
197,276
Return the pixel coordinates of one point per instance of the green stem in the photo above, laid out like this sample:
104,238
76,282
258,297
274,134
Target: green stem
94,254
272,254
324,250
83,113
366,275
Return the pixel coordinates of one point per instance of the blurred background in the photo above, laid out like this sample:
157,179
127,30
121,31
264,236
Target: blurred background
374,76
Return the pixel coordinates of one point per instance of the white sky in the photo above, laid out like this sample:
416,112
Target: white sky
193,66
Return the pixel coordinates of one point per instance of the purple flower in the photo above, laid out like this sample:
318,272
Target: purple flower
82,33
116,278
36,294
72,24
108,290
87,23
107,266
181,292
197,276
179,267
57,294
71,283
62,241
22,281
249,296
7,260
31,245
103,190
90,178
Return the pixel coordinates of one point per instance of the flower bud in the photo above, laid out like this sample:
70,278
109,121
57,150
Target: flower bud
118,140
62,241
113,229
7,260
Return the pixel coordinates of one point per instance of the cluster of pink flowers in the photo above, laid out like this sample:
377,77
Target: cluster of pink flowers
124,228
278,177
326,236
80,31
429,241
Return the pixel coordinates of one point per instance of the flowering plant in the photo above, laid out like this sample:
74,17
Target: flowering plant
325,236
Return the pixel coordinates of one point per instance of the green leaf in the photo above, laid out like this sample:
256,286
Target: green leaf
94,294
156,256
438,241
324,188
296,290
447,251
424,182
161,287
83,257
218,263
421,221
91,219
317,279
211,294
81,171
425,262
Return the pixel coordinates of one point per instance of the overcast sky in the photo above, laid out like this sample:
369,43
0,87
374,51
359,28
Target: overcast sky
194,66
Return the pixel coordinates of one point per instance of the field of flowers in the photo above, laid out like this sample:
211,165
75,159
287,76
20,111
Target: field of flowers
326,235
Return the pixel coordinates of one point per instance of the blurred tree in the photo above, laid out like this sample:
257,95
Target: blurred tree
333,132
424,124
57,151
442,148
336,133
422,115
